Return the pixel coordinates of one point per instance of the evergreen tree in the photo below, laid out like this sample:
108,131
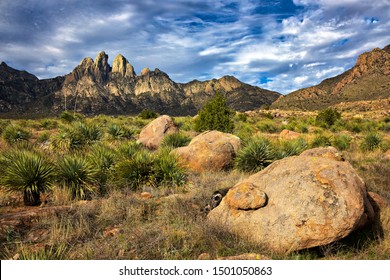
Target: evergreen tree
215,115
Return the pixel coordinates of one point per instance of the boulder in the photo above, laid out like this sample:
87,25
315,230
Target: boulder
152,135
209,151
289,135
387,154
296,203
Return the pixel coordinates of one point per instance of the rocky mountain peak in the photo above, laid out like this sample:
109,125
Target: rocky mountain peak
123,67
101,67
145,71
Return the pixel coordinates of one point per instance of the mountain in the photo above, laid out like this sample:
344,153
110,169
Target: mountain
369,79
95,87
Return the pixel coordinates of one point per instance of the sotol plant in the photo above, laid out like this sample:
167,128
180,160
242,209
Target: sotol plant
371,142
257,154
27,172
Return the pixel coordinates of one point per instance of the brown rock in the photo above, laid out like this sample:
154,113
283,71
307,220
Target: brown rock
152,135
387,154
289,135
313,200
204,256
209,151
246,196
377,201
146,195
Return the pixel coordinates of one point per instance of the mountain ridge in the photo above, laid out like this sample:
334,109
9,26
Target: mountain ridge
368,79
94,87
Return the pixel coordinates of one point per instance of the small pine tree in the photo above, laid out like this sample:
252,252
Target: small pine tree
215,115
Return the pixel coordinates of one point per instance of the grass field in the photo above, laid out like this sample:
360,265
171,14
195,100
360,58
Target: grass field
99,175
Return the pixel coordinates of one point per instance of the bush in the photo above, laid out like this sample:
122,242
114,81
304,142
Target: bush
321,140
371,142
342,142
215,115
291,148
119,132
267,126
69,117
147,114
15,133
255,155
78,175
28,172
166,169
175,140
328,117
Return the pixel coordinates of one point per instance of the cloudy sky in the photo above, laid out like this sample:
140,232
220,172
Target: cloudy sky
278,45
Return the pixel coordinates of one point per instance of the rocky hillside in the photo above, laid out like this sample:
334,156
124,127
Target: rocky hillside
95,87
369,79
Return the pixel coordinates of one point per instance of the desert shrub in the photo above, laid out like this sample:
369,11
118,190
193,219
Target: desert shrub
267,115
48,123
4,124
242,117
291,148
147,114
342,141
166,169
89,133
119,132
43,137
370,142
136,171
175,140
327,117
103,159
78,175
255,155
69,117
27,172
384,126
129,149
215,115
321,140
14,133
267,126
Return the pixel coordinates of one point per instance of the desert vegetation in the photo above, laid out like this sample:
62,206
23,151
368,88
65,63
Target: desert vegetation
103,195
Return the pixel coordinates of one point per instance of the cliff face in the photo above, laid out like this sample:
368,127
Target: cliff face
369,79
95,87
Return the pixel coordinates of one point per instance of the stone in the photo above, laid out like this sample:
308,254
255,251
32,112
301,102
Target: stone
377,201
152,135
313,199
289,135
387,154
246,256
146,195
209,151
123,67
145,71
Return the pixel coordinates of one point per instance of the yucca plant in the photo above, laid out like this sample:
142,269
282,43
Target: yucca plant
135,171
14,133
291,148
119,132
103,158
89,133
166,169
175,140
78,175
342,141
255,155
371,142
129,149
321,140
27,172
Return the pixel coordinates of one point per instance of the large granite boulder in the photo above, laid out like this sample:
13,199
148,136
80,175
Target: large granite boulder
297,202
152,135
209,151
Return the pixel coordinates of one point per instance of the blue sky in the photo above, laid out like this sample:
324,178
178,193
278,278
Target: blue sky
278,45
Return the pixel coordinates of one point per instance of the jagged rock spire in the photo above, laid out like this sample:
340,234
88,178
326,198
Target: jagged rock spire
123,67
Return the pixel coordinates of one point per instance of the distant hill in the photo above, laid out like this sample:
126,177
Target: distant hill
94,87
369,79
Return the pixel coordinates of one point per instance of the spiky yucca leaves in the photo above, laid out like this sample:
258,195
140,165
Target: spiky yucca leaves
78,175
89,133
371,141
291,148
175,140
15,133
103,158
135,171
27,172
257,154
342,141
166,169
119,132
321,140
129,149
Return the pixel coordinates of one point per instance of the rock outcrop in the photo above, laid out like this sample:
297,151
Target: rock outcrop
209,151
297,202
289,135
94,87
152,135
